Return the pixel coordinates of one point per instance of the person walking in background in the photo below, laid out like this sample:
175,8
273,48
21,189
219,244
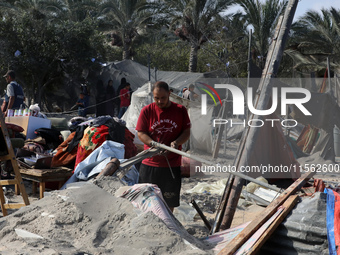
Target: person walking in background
121,86
111,102
81,103
190,94
14,92
124,99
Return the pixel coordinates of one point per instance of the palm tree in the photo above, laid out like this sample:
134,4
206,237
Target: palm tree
315,37
191,20
126,19
78,10
41,9
263,18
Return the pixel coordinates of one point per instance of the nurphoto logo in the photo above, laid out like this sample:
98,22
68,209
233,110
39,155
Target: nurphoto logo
239,103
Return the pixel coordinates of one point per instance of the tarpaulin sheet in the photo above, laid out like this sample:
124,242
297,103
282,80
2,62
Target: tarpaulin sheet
333,221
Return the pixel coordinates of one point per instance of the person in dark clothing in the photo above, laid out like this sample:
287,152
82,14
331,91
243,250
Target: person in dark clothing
121,86
81,103
100,98
110,95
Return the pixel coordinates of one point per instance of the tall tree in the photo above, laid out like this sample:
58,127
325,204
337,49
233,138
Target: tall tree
262,17
316,36
126,19
41,9
191,20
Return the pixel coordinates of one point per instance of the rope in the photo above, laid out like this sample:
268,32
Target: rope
90,106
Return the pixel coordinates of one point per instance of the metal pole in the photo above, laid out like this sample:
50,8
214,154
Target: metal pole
336,87
149,60
249,67
329,76
155,73
211,163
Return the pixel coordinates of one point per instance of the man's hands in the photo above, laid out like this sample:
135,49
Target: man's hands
174,145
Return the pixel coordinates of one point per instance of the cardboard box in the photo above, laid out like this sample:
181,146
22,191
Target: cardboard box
29,124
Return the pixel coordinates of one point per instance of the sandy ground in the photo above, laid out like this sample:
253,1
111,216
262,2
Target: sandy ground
91,220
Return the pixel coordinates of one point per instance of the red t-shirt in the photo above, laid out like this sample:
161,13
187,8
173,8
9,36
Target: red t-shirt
124,98
163,126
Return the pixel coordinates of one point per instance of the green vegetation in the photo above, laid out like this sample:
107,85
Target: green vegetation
59,43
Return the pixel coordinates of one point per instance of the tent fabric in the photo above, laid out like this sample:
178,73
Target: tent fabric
148,198
325,145
324,112
272,149
200,136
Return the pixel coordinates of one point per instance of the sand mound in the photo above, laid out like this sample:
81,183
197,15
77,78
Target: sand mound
89,220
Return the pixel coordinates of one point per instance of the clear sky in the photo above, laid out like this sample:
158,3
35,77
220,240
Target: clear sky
316,5
305,5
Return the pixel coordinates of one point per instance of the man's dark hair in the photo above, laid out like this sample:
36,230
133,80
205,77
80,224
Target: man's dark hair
161,85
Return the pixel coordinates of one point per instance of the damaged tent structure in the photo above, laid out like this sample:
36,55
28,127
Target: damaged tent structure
138,76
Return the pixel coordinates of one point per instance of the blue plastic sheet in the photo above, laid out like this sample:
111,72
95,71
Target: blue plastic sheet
330,221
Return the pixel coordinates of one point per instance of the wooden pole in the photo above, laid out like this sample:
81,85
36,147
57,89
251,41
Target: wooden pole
248,142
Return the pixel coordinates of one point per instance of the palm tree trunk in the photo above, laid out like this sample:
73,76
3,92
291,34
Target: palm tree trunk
126,51
193,58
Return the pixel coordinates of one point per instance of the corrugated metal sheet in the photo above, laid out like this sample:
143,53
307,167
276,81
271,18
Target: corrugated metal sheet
304,231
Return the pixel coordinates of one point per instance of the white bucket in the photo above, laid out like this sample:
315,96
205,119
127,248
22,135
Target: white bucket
337,141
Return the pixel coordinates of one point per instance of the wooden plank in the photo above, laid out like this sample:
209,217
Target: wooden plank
288,206
18,180
14,206
239,240
8,182
2,202
41,189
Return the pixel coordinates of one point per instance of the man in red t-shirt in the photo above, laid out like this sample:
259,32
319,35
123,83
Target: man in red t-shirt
168,123
124,95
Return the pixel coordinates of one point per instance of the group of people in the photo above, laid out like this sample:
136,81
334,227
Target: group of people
113,103
162,121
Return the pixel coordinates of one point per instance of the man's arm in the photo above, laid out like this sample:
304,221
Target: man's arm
181,139
145,138
10,102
